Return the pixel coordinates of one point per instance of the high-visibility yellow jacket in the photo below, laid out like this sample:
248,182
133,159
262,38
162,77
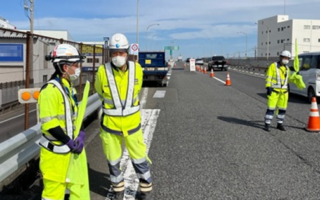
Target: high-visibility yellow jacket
278,76
54,166
120,125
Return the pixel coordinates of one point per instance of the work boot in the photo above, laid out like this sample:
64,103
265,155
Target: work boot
267,127
143,195
112,195
118,195
281,127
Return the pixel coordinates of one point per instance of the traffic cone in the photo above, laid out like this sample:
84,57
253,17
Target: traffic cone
314,119
228,81
211,73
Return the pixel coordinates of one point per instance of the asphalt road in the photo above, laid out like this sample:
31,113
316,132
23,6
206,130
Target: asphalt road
208,143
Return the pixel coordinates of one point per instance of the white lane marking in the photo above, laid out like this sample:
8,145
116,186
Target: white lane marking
148,124
15,117
220,80
159,94
144,98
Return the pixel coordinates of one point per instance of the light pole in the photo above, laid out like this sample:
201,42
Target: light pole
137,21
147,32
246,41
152,40
267,39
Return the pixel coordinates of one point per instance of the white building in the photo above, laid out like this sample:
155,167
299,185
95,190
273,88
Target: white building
278,33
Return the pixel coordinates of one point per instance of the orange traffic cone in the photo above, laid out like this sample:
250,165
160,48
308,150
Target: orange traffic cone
228,81
204,70
314,119
211,73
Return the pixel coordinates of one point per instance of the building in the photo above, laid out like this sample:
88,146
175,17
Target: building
13,60
279,32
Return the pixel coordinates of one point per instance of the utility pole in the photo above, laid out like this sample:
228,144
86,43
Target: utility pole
29,65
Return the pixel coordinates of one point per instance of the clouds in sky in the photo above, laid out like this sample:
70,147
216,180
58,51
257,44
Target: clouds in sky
199,27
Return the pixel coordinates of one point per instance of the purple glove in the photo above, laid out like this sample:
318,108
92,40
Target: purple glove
80,141
76,145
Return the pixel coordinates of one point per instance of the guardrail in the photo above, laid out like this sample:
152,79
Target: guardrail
17,151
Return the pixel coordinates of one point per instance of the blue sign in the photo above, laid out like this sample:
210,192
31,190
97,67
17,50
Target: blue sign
11,52
89,69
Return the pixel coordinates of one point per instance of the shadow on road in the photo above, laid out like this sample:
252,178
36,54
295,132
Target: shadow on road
99,182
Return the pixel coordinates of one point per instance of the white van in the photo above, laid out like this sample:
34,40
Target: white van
310,71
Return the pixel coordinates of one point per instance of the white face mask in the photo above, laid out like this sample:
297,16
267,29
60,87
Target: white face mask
76,74
285,61
119,61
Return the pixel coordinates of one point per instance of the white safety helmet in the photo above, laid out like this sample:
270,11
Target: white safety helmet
118,42
65,53
286,53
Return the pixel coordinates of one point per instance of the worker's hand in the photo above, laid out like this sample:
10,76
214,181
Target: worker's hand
269,90
76,146
80,141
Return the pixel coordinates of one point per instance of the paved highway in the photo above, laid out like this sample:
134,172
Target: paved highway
206,141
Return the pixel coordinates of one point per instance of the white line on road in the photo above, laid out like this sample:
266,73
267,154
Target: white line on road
148,124
220,80
15,117
159,94
144,98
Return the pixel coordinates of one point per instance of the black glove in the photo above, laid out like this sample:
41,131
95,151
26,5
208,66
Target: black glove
269,90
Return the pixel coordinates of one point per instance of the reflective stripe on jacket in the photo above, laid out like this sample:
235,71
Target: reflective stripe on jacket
53,113
277,76
45,141
120,108
120,93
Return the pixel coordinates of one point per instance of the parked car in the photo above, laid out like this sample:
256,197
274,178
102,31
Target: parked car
188,60
218,62
310,72
199,61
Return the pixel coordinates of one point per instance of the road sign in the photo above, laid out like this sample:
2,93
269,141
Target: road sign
175,48
134,49
28,95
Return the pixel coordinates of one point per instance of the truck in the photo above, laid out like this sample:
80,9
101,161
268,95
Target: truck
218,62
155,67
5,24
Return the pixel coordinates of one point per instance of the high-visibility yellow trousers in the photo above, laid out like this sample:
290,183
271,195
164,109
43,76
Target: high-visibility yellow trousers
277,100
56,191
112,147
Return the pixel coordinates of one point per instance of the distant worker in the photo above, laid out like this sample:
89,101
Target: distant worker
118,84
58,107
277,79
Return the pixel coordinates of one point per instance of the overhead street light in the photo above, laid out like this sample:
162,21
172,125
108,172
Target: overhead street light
246,41
147,32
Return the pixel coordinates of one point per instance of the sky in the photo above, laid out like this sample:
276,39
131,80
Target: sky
200,28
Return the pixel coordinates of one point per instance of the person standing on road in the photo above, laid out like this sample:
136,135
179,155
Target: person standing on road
118,84
277,78
60,147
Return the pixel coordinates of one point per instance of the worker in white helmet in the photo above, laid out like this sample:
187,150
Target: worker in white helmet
60,145
118,84
277,79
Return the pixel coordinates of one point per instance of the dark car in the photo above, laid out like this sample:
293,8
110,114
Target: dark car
218,62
